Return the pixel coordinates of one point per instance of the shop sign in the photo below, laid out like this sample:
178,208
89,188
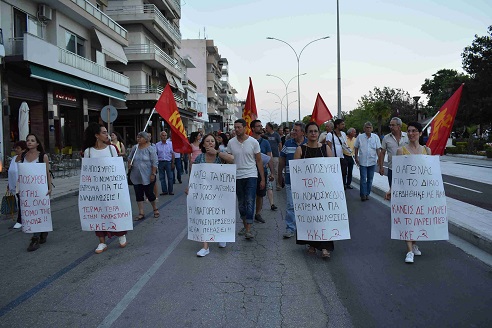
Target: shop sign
65,96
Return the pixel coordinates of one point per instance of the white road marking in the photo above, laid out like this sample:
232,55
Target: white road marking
463,187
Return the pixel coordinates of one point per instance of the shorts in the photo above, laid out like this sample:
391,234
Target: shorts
260,192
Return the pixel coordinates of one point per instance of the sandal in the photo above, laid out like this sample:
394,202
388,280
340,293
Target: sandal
311,250
325,253
139,217
156,214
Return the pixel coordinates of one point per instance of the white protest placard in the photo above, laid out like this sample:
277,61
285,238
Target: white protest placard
211,203
320,206
104,200
34,203
418,201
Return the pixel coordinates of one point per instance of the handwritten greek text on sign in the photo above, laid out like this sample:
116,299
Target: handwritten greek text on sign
319,199
34,203
104,201
211,203
418,202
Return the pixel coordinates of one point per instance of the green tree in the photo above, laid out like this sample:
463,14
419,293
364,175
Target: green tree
477,61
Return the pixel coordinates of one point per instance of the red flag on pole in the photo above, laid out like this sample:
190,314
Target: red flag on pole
321,113
443,124
167,109
250,113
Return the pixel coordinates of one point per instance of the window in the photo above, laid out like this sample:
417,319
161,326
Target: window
25,23
74,43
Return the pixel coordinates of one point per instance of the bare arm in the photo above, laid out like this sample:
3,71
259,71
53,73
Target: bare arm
47,162
259,165
281,166
298,153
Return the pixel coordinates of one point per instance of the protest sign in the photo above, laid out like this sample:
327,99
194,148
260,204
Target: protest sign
320,206
418,201
211,203
34,203
104,200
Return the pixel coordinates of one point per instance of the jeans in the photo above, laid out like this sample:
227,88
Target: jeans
290,219
350,166
165,170
390,176
366,176
179,169
246,198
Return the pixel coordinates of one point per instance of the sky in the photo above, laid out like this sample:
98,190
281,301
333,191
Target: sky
396,43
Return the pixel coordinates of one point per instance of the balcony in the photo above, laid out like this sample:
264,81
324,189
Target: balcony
102,17
150,93
147,15
62,60
154,57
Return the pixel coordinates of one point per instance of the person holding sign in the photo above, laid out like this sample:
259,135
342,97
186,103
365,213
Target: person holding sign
414,131
35,154
95,146
210,154
144,162
312,149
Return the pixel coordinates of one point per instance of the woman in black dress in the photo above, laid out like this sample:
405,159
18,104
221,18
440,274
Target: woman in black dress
312,149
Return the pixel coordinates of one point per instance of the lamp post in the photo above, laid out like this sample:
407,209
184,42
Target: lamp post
298,56
286,87
271,113
416,99
281,101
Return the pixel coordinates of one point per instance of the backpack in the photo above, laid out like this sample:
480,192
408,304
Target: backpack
40,160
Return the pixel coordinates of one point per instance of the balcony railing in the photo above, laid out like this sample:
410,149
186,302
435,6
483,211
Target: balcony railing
69,58
102,17
177,4
153,49
146,9
16,47
140,89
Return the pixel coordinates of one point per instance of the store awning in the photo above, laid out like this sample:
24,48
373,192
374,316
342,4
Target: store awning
46,74
111,48
170,79
178,83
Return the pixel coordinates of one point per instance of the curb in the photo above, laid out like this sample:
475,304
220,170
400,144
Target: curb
466,233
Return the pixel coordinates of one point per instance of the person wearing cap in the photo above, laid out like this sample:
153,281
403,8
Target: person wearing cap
143,165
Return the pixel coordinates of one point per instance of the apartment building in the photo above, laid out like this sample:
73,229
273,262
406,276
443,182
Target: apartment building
56,60
154,40
229,104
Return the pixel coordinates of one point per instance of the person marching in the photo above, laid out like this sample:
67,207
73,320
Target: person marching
13,173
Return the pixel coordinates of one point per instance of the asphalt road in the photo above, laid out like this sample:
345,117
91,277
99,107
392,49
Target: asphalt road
157,281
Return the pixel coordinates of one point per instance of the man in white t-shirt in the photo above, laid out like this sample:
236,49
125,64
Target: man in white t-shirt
337,141
247,157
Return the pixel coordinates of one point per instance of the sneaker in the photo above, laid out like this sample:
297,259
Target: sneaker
241,232
416,251
101,248
273,207
248,235
17,226
34,245
289,234
258,218
222,244
409,258
122,240
203,252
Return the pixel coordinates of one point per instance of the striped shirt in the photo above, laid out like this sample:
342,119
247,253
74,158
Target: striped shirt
288,152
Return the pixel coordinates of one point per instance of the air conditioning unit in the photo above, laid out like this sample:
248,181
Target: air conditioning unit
45,12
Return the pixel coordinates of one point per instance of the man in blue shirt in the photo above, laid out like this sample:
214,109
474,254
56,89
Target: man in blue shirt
286,155
165,155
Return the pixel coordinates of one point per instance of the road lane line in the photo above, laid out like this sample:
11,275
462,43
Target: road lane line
135,290
463,187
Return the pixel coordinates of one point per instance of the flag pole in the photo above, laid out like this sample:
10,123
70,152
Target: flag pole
430,121
145,128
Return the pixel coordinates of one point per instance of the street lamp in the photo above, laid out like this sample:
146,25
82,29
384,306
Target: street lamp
286,87
298,59
271,113
281,101
416,99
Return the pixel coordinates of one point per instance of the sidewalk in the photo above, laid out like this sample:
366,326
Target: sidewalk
469,222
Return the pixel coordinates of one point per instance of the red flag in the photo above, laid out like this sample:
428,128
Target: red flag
167,109
250,113
321,113
443,124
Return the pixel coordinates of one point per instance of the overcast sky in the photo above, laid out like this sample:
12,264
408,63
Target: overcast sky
396,43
